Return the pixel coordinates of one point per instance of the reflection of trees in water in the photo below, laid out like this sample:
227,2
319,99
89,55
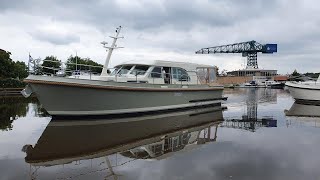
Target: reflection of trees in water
12,108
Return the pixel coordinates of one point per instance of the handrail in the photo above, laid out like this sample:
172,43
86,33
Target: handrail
182,78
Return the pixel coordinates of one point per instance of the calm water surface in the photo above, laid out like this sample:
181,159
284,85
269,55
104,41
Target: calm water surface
251,139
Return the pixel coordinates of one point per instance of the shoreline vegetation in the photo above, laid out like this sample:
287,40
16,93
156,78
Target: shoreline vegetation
13,107
13,72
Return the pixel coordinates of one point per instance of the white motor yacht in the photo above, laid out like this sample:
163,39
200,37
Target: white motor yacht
132,87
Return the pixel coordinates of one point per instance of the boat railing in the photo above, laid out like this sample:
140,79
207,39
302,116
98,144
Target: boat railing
87,70
38,69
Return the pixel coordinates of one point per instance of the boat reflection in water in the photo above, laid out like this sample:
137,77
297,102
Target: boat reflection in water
304,109
143,137
305,112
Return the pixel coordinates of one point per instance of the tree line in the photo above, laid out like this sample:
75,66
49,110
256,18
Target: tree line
308,74
50,65
12,72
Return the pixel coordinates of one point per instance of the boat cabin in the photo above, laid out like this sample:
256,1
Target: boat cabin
162,72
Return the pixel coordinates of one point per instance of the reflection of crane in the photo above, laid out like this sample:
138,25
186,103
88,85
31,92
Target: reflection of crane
248,49
250,121
252,104
250,125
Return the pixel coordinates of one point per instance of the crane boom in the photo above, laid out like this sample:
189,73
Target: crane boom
248,49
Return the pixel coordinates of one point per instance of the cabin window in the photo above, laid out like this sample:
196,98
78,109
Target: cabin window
156,72
124,70
114,72
139,70
206,74
180,74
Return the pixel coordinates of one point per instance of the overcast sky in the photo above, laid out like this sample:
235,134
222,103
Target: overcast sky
164,29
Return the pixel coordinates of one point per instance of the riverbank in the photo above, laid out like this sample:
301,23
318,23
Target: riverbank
10,91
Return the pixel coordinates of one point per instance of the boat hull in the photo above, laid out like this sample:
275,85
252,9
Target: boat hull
277,86
78,98
304,91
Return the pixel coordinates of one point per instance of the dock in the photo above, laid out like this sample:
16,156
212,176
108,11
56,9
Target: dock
10,91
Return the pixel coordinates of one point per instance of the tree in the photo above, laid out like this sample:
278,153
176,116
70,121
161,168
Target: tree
72,61
50,63
20,70
295,73
312,75
11,69
6,64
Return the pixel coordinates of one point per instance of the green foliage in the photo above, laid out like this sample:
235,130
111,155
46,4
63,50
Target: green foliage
6,64
11,69
20,70
51,63
295,73
312,75
12,108
86,61
11,83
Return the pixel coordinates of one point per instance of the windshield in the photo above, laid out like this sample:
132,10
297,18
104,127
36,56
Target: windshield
124,70
140,70
114,71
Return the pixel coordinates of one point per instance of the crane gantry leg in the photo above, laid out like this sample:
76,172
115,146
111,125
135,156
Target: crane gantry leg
252,60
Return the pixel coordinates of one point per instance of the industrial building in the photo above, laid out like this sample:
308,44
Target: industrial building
252,72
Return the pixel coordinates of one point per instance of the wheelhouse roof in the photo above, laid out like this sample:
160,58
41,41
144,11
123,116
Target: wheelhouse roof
184,65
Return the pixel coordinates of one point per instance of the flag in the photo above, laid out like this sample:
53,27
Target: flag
30,58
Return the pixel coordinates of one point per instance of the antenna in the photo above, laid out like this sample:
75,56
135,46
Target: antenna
76,61
110,50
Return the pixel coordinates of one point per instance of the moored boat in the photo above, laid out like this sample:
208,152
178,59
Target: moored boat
309,91
263,82
132,87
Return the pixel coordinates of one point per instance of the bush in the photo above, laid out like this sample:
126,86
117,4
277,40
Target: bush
11,83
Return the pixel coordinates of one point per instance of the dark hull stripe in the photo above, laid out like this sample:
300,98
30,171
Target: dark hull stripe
308,102
125,115
204,100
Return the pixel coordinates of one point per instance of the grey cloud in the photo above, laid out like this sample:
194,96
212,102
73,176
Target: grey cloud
180,14
55,38
228,160
184,26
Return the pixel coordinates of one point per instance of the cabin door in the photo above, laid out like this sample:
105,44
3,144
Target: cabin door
167,75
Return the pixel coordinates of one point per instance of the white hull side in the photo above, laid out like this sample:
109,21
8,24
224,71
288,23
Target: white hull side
304,91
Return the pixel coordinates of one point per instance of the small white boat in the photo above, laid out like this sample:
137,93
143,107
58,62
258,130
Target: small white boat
262,82
309,91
